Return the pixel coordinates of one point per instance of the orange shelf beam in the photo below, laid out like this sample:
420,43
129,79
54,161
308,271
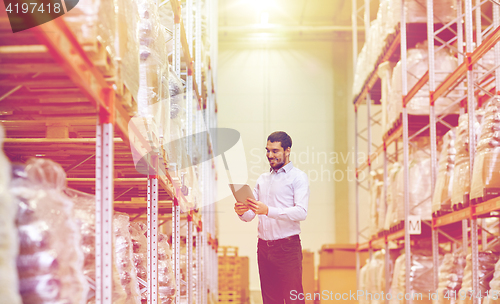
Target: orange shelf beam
478,53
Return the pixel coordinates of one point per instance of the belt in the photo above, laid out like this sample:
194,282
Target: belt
270,243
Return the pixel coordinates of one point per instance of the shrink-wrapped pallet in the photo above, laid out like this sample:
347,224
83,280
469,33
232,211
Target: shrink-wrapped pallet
441,200
166,283
127,48
394,194
486,270
376,276
486,175
363,282
177,146
420,185
377,203
84,212
388,18
50,261
417,66
93,24
450,276
9,245
152,103
140,255
494,291
396,276
152,119
421,270
461,173
123,251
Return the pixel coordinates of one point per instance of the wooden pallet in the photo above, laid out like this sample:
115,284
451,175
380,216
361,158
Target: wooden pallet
461,205
229,296
488,193
445,208
227,251
397,227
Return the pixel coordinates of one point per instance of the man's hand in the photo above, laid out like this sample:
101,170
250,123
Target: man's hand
240,208
257,206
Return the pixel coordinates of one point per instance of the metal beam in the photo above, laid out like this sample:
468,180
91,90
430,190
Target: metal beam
275,28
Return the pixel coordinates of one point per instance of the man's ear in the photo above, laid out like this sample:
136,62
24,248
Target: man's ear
287,151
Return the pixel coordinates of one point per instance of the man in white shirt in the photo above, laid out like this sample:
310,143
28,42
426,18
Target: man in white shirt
281,199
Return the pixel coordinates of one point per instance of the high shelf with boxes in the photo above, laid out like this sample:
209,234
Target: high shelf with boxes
107,61
434,82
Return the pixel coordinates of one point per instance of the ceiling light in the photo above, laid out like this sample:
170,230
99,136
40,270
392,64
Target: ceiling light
264,18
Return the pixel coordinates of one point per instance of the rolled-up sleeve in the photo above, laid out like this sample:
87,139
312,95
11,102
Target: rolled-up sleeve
300,202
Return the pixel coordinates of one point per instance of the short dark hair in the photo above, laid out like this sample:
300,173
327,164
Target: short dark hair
282,137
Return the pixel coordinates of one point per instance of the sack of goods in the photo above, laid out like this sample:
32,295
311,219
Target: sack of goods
487,261
441,200
84,211
420,272
420,188
50,261
9,245
450,275
377,204
394,194
486,176
124,258
417,66
461,173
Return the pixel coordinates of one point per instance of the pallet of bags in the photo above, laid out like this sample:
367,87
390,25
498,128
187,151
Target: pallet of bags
50,261
9,245
461,171
486,175
166,282
450,276
487,263
84,212
152,118
420,271
493,294
417,66
420,183
377,204
441,199
93,24
394,194
124,258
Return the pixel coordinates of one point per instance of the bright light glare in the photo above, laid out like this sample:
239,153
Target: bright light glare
259,4
264,18
263,36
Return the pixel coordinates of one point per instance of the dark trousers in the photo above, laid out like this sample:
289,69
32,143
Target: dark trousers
280,270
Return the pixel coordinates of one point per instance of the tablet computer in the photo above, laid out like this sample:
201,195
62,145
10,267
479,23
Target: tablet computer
241,192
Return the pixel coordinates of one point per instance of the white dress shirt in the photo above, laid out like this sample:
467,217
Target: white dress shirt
286,194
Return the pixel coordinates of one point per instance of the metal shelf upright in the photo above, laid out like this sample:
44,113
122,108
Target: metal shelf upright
199,122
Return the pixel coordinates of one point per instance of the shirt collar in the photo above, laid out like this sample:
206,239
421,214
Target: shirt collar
285,168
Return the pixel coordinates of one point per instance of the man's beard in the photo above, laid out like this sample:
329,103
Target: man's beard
278,164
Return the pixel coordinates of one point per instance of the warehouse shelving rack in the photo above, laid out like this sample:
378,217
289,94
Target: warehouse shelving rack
469,77
60,104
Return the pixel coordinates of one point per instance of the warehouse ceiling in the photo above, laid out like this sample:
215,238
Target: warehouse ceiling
287,18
